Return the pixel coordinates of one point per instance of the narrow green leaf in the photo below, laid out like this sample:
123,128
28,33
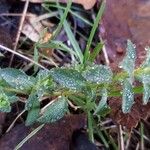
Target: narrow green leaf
33,107
77,49
4,103
63,17
127,97
98,74
17,79
128,62
55,111
103,102
68,78
46,6
95,52
90,127
96,23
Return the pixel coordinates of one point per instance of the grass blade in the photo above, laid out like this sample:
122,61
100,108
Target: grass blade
96,51
63,17
70,11
73,41
96,23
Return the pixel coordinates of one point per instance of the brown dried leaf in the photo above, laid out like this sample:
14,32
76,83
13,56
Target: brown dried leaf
32,28
55,136
130,120
87,4
124,20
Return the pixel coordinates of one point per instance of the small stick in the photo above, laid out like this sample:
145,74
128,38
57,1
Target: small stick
19,30
16,14
22,56
120,138
12,124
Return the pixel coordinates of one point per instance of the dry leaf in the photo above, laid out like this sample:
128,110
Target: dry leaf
124,20
87,4
32,28
130,120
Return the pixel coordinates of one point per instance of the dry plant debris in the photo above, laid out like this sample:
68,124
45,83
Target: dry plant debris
87,4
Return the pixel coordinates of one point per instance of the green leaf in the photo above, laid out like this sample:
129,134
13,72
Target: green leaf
44,82
98,74
127,97
128,62
146,88
68,78
33,107
146,63
17,79
145,78
63,17
10,95
74,43
55,111
103,102
12,98
4,103
92,33
96,51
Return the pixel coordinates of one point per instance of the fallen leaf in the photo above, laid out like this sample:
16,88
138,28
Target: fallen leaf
87,4
129,120
32,29
124,20
55,136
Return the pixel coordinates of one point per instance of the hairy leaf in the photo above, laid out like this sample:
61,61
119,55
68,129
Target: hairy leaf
146,78
98,74
146,63
146,86
33,107
4,103
10,95
68,78
103,102
128,62
44,82
17,79
55,111
128,96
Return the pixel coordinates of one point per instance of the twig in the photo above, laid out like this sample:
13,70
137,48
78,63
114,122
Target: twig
120,138
19,30
105,53
16,14
12,124
137,146
22,56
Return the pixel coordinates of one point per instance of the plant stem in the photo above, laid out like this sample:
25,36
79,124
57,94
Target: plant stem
90,127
